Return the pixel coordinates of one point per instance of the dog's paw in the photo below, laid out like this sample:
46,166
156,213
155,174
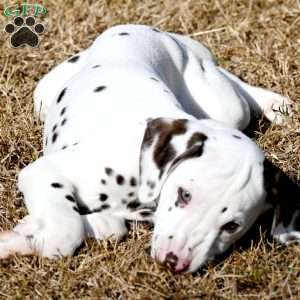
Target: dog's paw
277,108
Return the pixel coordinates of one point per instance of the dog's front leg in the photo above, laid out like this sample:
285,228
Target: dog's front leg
53,227
274,106
101,226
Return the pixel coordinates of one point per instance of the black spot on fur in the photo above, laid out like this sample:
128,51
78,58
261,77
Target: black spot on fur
62,93
64,147
70,198
54,127
99,88
146,213
103,181
84,210
123,33
63,122
120,179
154,79
54,137
236,136
124,201
151,184
63,111
96,66
105,206
133,181
133,204
74,59
57,185
131,194
103,197
170,237
76,209
170,208
96,210
109,171
224,209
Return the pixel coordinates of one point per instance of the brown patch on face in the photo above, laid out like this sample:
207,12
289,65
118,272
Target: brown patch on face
193,152
193,149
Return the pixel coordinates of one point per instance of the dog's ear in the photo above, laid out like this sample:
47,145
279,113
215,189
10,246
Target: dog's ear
284,196
166,143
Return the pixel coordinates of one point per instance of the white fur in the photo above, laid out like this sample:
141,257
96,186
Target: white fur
106,128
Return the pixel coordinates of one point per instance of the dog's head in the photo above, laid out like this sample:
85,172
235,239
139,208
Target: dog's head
208,183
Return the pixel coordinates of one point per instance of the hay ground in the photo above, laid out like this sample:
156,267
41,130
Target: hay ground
258,40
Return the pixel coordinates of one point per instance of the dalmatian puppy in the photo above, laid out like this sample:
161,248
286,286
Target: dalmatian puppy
144,125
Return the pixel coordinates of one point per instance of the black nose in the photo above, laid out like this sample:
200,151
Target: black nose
171,261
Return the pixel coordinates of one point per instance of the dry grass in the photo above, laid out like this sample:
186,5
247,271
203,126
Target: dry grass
257,40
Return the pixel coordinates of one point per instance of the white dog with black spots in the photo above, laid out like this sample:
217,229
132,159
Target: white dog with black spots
144,125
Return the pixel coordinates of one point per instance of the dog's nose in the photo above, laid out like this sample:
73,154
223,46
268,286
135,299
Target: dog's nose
175,263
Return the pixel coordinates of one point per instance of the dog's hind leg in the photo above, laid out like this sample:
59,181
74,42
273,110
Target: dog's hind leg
53,227
51,84
206,91
214,93
262,101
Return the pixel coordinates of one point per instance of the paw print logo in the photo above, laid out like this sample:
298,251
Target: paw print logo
24,33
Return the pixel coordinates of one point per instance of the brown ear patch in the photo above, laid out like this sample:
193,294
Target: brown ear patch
149,134
162,128
164,151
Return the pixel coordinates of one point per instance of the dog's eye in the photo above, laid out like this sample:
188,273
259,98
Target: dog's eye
184,196
230,227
